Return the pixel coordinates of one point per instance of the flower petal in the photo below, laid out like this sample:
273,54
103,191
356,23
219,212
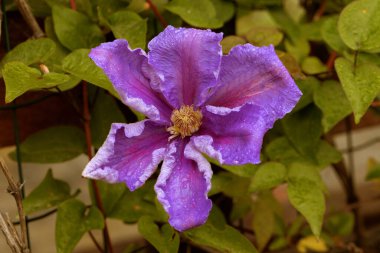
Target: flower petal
233,136
183,184
124,67
187,61
130,154
255,74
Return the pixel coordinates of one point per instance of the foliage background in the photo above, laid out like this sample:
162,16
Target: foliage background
331,48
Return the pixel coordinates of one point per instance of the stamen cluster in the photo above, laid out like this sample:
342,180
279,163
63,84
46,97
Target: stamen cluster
186,121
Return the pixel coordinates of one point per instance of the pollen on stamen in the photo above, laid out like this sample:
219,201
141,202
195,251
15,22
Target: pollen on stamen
185,122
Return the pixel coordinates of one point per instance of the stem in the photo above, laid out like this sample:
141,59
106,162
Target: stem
157,14
319,13
95,241
331,60
26,12
14,189
87,129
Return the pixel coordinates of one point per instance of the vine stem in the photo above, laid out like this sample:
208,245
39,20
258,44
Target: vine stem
157,13
87,130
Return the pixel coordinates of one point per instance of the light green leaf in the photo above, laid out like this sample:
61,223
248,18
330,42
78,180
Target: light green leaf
130,26
198,13
264,36
312,65
30,51
278,244
374,173
331,36
105,112
330,98
231,41
263,221
79,64
19,78
268,175
327,155
305,122
225,239
165,239
305,192
75,30
359,25
49,193
53,145
294,9
74,219
361,84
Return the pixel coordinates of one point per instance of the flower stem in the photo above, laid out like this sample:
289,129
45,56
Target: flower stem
157,14
26,12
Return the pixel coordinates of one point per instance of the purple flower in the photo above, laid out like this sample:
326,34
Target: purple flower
197,101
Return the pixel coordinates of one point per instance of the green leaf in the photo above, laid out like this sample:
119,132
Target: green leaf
282,151
19,78
230,184
257,18
307,87
291,65
75,30
49,193
74,219
340,224
294,9
332,101
52,145
306,122
105,112
133,205
130,26
359,25
374,173
225,10
30,51
80,65
165,239
198,13
312,65
268,175
241,207
278,244
231,41
246,170
305,192
110,194
225,239
361,84
263,221
264,36
331,36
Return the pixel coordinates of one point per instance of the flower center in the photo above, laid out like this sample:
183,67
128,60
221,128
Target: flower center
186,121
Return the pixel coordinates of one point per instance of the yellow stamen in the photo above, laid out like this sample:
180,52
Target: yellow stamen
186,121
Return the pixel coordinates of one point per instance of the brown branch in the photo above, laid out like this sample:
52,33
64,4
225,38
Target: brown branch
321,10
26,12
14,189
10,233
95,241
157,14
331,60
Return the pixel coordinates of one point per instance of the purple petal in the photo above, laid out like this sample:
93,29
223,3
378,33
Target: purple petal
187,62
233,136
183,184
255,74
124,67
130,154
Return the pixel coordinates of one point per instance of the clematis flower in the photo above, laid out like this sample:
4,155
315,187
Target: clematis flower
196,101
